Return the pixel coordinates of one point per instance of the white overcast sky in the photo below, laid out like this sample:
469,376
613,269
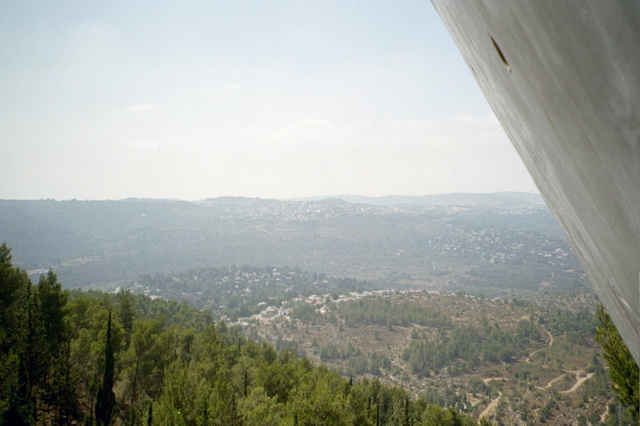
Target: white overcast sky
271,99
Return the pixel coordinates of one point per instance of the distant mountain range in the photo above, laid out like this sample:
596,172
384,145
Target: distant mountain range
499,199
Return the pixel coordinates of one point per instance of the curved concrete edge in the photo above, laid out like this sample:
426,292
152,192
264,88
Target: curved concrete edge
563,78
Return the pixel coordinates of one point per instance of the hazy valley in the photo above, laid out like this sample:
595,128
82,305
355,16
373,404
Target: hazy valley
473,302
493,243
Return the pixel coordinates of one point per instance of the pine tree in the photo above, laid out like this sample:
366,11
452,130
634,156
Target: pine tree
51,306
13,290
52,301
623,369
11,282
31,348
233,417
150,415
127,315
106,399
64,386
407,412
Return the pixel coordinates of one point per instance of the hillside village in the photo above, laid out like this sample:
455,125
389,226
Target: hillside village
481,248
319,302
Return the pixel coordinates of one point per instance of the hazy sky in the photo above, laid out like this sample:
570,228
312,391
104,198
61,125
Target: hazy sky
272,99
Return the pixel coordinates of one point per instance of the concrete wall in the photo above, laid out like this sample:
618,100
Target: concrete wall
563,78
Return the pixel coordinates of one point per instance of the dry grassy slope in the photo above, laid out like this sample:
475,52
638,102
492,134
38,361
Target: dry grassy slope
544,383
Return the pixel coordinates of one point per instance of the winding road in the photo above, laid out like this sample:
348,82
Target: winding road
528,359
493,404
550,383
580,380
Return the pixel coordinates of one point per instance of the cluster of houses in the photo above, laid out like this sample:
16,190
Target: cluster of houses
269,313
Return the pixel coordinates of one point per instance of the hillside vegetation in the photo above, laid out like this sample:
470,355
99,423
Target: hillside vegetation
517,361
86,358
249,311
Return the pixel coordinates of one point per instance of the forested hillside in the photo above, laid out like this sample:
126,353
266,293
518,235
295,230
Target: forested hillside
517,361
92,357
240,291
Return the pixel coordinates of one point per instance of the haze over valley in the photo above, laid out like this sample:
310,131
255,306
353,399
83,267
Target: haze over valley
196,227
495,244
468,301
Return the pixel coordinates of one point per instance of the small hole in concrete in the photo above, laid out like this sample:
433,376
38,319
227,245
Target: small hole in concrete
504,60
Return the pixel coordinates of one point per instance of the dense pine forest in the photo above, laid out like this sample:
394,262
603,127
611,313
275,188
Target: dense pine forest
73,357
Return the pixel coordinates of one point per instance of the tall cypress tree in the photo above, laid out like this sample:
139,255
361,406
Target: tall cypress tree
106,399
64,386
51,303
127,315
12,282
13,290
33,355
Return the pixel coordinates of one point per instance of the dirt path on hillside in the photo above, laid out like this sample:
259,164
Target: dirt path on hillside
551,382
528,359
580,381
603,416
492,405
489,379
